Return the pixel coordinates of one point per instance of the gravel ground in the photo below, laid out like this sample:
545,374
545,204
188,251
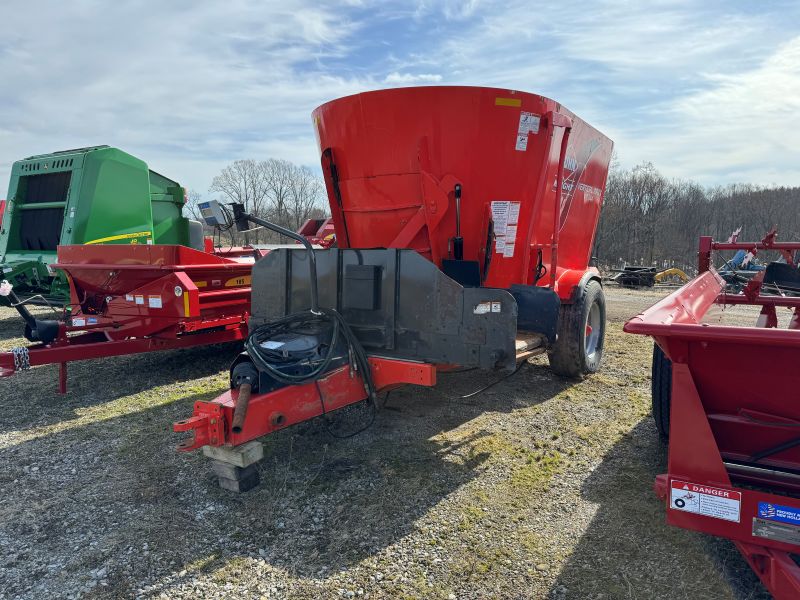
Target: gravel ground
538,488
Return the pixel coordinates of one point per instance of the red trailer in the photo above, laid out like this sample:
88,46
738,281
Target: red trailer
464,222
726,398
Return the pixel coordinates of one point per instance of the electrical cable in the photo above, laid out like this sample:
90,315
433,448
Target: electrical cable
357,357
340,436
486,387
456,371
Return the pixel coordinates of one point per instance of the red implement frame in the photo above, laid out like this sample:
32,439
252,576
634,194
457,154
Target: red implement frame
132,299
266,413
734,420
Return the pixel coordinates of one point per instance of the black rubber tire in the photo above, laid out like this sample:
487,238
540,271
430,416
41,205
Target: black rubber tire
661,390
568,356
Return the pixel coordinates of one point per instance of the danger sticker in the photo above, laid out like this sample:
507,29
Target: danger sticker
717,503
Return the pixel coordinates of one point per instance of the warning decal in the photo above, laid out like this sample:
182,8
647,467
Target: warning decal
505,216
528,123
705,500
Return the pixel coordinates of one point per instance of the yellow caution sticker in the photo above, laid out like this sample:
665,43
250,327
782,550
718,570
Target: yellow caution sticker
238,281
508,102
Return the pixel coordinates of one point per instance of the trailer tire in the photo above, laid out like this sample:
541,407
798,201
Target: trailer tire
578,349
661,390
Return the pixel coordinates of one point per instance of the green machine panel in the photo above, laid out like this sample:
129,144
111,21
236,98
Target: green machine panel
96,195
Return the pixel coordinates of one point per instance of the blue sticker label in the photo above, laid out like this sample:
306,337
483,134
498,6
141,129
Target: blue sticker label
777,512
92,320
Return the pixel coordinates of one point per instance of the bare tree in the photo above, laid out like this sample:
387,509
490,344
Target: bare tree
304,196
272,189
191,208
650,220
244,182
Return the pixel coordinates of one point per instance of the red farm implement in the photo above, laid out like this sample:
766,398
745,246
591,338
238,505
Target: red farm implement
128,299
464,223
726,396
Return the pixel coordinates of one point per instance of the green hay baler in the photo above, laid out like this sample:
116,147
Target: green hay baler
96,195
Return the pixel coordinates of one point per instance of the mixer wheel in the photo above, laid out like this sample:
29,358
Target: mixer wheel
578,349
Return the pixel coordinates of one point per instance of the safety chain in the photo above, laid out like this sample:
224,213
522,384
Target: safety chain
22,358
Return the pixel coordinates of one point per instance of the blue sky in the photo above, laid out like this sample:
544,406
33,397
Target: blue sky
708,91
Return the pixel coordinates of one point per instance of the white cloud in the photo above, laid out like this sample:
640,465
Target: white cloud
188,88
410,79
703,91
743,125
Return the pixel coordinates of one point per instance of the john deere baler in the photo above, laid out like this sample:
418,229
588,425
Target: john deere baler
96,195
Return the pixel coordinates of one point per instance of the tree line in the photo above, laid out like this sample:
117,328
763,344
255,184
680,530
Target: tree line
649,219
273,189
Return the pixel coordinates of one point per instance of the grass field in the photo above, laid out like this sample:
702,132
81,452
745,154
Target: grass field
538,488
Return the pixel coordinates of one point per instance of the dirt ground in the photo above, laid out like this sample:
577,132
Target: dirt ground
538,488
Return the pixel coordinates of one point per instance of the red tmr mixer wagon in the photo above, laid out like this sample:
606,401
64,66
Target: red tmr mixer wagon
464,219
726,396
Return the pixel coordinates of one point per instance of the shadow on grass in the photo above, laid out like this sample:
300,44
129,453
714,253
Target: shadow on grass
31,398
323,503
619,554
12,325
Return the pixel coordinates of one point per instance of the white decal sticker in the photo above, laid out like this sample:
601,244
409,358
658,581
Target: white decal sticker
154,301
139,299
700,499
272,345
505,215
497,307
482,308
129,297
78,322
528,122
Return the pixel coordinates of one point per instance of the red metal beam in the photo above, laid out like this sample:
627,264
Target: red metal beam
89,346
210,424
